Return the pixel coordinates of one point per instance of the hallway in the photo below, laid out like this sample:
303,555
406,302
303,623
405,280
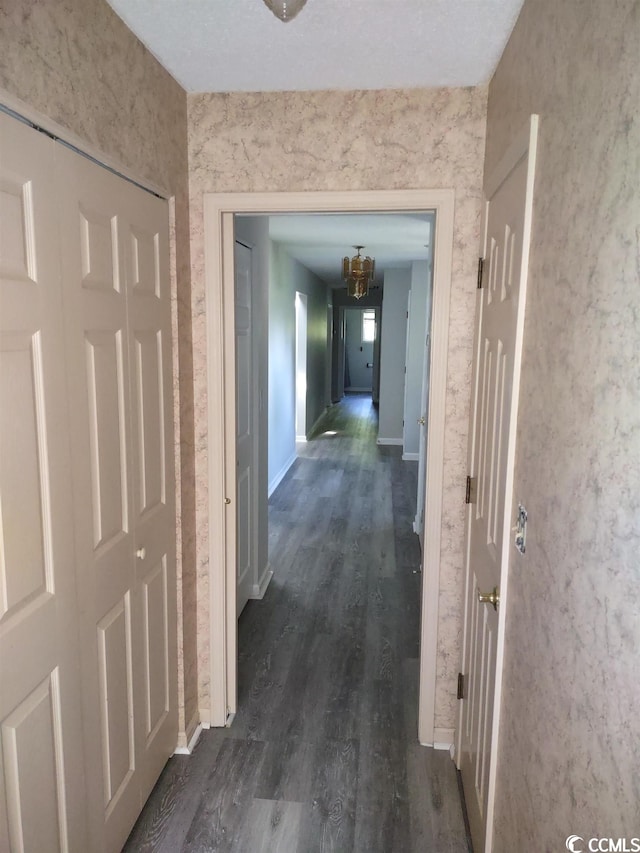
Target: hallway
323,753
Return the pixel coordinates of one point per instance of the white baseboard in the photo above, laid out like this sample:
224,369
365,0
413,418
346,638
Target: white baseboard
185,737
352,389
416,527
410,457
443,738
273,485
258,590
396,442
187,747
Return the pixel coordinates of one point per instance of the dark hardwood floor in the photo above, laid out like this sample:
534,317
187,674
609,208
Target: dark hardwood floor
323,753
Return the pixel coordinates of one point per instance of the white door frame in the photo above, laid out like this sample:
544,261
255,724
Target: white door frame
219,209
422,460
301,366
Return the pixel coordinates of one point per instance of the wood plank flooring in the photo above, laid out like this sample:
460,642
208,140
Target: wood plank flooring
323,753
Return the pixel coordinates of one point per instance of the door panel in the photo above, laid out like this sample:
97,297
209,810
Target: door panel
42,793
117,307
156,648
244,431
116,700
107,435
496,367
148,370
149,325
32,750
21,473
92,242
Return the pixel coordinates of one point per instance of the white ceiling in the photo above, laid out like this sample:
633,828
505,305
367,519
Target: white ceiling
240,46
320,241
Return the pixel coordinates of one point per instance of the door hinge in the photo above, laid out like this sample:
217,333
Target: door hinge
471,490
460,686
480,271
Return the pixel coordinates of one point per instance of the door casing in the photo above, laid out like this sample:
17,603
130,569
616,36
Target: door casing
219,210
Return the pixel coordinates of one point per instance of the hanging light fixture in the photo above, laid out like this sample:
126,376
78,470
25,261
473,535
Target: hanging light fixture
286,10
358,273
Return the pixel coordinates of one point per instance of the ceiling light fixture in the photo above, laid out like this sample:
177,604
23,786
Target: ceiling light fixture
358,273
286,10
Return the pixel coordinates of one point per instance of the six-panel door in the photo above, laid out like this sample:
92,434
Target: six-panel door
88,710
117,305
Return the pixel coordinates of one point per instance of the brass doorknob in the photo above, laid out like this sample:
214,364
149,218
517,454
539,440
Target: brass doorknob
490,597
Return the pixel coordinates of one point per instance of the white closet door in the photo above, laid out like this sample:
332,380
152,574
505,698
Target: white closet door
42,799
114,250
149,324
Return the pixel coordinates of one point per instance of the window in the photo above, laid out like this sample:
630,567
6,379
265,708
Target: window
368,325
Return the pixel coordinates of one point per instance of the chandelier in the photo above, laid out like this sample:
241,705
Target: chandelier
358,273
286,10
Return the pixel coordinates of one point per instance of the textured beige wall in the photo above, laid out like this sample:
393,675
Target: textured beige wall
76,62
352,141
570,738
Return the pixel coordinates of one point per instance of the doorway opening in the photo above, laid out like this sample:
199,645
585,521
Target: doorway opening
358,355
219,212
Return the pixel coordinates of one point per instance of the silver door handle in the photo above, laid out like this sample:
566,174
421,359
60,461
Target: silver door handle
141,553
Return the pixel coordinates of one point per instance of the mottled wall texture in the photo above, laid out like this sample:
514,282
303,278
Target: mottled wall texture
569,753
77,63
351,141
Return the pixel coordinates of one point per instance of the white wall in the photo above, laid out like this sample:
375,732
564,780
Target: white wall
392,355
253,231
286,277
416,332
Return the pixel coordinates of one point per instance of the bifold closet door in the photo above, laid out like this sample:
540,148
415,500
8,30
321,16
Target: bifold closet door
42,794
117,311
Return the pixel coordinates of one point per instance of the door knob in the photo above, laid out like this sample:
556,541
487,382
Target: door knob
141,553
421,421
490,597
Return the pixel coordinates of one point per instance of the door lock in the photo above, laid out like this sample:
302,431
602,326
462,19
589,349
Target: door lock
490,597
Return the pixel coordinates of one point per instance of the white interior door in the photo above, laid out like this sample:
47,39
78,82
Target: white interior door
42,795
244,423
495,399
114,246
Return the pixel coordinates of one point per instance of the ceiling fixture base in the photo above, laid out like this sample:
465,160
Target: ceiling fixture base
285,10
